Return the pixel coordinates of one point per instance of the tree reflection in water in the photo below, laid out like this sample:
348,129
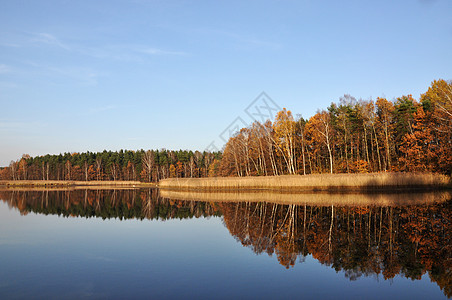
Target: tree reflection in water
409,240
406,240
119,204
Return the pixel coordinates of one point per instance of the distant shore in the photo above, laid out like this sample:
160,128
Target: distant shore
51,184
315,182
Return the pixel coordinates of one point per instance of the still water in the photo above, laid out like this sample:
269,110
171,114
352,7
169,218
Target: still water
146,243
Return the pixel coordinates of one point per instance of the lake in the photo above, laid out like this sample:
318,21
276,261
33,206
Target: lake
146,243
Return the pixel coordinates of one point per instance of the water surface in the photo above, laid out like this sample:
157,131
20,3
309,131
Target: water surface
143,243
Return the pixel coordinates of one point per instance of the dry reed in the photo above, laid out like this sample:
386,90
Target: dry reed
312,199
326,182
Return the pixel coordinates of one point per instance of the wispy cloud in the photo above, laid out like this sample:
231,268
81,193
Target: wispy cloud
80,75
32,39
119,52
49,39
65,72
85,76
134,53
108,53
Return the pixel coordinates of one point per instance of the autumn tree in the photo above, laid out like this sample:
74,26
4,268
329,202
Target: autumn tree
284,127
321,132
417,146
437,103
213,168
172,171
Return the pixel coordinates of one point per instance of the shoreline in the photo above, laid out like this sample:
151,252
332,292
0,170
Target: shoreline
71,184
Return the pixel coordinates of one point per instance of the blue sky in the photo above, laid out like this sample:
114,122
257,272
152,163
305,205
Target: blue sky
92,75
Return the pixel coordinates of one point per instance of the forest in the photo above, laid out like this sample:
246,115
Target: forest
351,136
126,165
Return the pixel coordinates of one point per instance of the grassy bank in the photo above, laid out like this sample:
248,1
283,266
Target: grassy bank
72,184
312,199
316,182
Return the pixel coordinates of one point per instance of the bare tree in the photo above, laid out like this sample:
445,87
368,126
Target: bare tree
301,123
86,170
13,168
320,123
98,166
68,169
192,166
148,163
43,171
114,170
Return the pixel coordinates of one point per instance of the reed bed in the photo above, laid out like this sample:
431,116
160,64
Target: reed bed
312,199
66,188
69,183
315,182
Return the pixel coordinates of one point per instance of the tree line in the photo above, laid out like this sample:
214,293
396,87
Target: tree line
146,166
352,136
